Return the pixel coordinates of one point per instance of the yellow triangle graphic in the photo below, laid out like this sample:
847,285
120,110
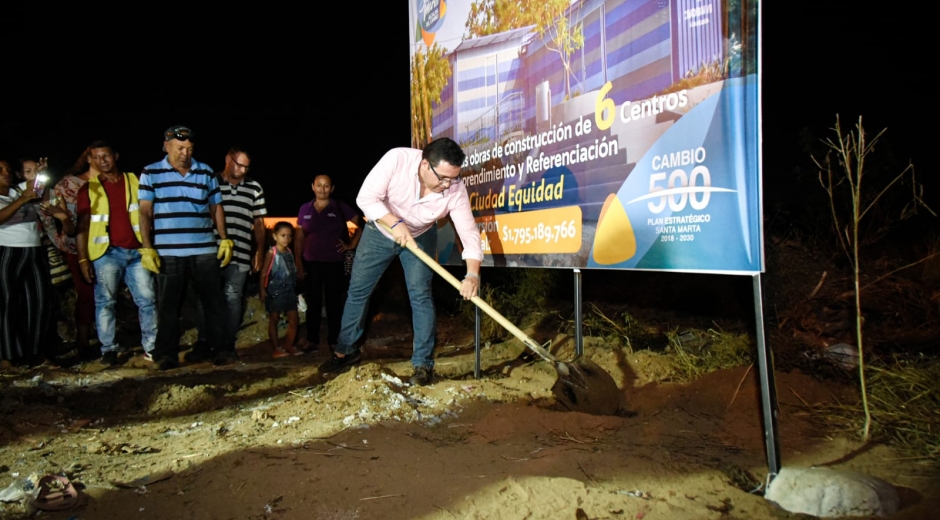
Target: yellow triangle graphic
614,241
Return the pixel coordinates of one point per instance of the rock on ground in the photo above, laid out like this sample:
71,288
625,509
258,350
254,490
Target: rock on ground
830,493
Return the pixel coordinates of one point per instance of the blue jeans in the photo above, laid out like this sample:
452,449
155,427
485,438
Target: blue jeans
175,273
234,277
373,256
124,264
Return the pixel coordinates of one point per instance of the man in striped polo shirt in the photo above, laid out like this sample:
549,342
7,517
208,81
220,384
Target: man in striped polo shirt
179,203
243,202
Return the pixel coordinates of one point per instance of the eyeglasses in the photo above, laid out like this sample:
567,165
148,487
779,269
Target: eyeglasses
446,181
240,165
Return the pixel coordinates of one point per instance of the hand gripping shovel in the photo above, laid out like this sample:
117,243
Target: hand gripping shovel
582,385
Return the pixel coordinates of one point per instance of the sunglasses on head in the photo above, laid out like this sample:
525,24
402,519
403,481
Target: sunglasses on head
181,136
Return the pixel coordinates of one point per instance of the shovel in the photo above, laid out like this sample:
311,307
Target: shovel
582,385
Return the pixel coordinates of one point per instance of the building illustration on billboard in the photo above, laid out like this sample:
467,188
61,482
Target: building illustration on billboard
601,133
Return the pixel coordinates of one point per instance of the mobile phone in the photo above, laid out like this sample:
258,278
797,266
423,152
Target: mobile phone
40,184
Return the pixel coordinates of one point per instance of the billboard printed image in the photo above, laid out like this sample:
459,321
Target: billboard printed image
614,134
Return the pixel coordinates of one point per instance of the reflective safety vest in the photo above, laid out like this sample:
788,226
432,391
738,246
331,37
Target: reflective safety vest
98,239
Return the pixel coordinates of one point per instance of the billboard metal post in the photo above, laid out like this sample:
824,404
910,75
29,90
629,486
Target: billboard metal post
578,318
476,341
768,388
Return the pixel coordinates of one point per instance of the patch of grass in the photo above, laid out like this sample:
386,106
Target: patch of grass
693,352
698,352
904,397
626,330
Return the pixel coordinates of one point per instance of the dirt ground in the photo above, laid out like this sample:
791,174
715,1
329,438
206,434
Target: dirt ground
275,439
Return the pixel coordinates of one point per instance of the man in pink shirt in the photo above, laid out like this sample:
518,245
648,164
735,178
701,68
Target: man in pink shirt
408,190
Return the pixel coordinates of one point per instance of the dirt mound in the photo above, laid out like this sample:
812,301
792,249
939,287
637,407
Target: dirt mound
175,399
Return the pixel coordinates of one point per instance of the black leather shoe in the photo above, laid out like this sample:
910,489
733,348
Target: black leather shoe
226,357
89,353
422,376
109,359
166,363
337,364
197,355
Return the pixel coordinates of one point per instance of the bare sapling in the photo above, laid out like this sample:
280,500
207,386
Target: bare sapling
842,179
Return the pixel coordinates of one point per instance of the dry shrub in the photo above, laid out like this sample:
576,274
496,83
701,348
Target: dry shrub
692,352
626,330
699,352
905,398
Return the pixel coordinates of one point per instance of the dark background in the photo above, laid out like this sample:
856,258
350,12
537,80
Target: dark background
314,90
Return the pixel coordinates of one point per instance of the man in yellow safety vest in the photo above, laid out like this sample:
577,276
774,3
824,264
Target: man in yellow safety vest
108,244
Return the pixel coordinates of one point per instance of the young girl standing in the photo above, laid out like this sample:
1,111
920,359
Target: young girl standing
277,289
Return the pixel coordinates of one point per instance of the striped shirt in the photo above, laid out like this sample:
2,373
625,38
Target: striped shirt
243,203
182,222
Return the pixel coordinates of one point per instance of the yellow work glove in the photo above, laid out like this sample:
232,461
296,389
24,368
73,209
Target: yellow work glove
150,259
225,251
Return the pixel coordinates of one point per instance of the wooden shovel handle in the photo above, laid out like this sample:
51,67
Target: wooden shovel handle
479,302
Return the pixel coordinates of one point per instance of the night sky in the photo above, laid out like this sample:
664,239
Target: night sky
309,92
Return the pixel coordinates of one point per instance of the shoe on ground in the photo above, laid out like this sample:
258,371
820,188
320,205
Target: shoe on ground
166,363
422,376
89,353
280,353
226,357
109,359
337,364
148,357
197,355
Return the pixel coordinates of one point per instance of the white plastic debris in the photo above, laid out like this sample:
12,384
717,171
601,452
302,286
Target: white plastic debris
20,490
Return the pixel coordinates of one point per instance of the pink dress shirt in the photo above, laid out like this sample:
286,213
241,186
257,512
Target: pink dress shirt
393,187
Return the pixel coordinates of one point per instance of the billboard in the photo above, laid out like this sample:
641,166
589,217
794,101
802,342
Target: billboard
615,134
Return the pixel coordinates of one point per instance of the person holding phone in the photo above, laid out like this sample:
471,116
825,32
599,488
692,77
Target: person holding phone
25,286
59,218
32,172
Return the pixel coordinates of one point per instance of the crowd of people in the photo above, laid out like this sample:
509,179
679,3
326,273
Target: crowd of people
180,224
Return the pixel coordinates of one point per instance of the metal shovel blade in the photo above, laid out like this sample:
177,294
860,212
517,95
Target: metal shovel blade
586,388
582,385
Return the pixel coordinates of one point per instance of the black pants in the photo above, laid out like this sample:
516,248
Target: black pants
329,278
175,273
26,325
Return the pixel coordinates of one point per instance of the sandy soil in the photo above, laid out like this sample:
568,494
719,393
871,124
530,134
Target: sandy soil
275,439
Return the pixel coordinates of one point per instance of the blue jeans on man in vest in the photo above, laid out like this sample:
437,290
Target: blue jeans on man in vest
373,256
124,264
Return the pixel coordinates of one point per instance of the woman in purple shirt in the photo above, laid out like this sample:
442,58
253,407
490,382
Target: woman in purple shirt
320,243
